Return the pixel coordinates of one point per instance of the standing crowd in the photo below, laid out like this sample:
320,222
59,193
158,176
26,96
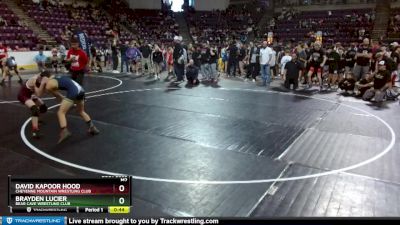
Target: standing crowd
348,66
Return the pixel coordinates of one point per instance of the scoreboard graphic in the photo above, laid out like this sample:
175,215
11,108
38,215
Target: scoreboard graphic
91,195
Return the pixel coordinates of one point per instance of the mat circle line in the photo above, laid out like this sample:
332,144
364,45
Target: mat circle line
90,92
220,182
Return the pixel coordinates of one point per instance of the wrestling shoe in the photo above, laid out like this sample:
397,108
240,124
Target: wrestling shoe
64,135
93,130
36,134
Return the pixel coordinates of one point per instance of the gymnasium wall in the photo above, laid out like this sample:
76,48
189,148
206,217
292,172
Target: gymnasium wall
209,5
238,2
328,7
144,4
352,4
25,59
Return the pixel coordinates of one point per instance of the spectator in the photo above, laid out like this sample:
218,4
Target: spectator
124,59
223,61
196,56
170,60
265,58
382,82
157,59
232,59
3,57
63,53
64,37
145,51
94,59
317,62
12,66
192,73
3,23
40,60
178,56
133,56
78,59
254,62
285,59
114,56
348,83
302,57
333,59
363,58
7,64
272,64
390,64
213,64
54,59
350,57
396,58
67,32
205,62
364,84
241,58
291,72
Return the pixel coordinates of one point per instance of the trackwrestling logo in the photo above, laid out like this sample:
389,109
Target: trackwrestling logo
26,220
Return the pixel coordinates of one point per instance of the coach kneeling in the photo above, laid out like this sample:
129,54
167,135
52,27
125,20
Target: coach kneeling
192,73
292,72
382,81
